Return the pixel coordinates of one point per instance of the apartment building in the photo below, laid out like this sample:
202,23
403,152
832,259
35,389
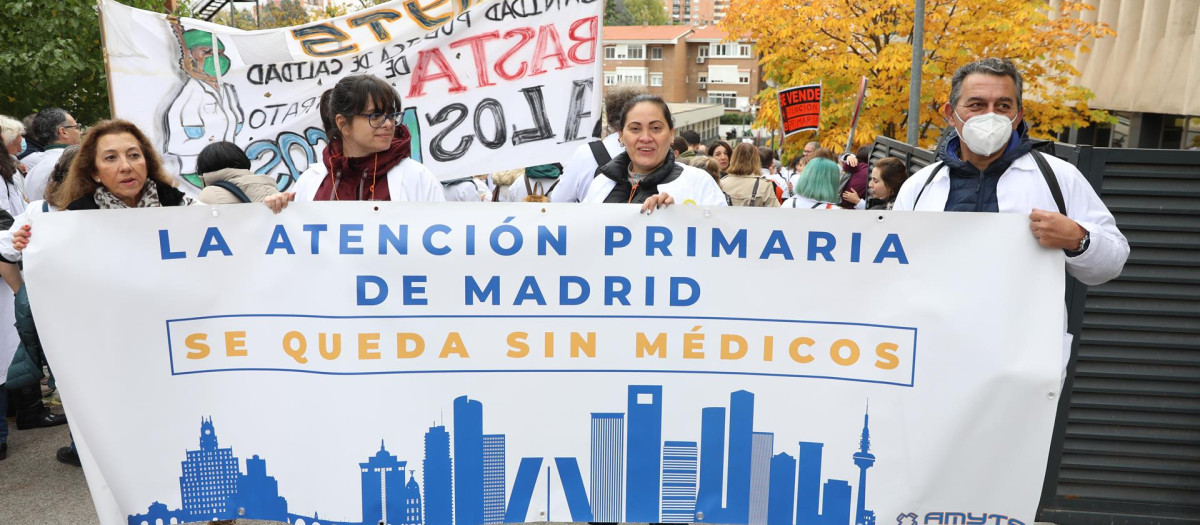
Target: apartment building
684,64
696,12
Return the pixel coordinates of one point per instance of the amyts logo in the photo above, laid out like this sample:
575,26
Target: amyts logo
956,518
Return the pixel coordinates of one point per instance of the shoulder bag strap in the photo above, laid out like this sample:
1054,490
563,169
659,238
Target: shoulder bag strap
232,188
1051,181
600,152
927,181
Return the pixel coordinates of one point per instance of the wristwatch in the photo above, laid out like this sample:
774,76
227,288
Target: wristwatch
1083,244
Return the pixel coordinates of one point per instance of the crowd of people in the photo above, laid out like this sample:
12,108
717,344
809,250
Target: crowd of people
987,165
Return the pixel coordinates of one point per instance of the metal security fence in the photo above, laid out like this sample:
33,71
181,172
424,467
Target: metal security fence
1127,441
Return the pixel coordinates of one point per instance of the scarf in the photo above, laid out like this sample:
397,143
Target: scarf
105,199
361,178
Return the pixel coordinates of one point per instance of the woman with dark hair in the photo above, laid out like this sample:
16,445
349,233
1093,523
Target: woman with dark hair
117,167
369,153
745,183
721,151
886,178
225,169
646,172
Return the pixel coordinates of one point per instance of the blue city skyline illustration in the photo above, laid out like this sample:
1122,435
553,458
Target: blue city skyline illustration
639,472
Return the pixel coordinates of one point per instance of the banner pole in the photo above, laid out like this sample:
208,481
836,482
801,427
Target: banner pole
108,81
862,93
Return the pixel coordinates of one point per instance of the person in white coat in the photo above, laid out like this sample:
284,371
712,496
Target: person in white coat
369,153
580,169
988,165
646,172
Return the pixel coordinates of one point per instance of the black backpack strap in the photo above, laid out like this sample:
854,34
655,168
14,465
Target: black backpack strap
600,152
528,188
814,206
1051,180
754,191
232,188
551,188
927,181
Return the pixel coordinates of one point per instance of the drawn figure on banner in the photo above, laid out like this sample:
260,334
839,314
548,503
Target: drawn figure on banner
205,110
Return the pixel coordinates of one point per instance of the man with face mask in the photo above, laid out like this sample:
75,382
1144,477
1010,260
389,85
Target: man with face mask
987,165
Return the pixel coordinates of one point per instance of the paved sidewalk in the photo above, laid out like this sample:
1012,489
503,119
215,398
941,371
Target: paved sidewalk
35,488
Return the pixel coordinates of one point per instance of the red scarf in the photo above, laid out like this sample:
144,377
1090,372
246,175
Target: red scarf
361,178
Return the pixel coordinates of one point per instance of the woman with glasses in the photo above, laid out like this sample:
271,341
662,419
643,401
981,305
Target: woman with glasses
368,156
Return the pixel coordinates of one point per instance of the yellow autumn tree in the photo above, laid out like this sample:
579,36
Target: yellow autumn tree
836,42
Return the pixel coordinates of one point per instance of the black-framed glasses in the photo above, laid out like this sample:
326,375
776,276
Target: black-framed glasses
76,126
377,120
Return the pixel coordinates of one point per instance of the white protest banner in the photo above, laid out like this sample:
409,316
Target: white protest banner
486,85
459,364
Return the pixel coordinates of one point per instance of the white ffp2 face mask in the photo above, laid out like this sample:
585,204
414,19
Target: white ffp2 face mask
986,134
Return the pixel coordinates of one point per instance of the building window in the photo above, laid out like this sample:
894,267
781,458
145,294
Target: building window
744,50
631,75
656,79
702,51
656,53
724,98
637,52
610,52
743,77
702,78
610,79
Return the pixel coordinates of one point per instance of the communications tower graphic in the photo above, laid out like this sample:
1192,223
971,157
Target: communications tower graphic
864,459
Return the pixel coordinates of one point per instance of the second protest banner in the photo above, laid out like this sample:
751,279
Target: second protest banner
460,364
487,85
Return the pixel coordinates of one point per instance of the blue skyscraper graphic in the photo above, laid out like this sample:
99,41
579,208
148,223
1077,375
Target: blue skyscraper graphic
835,506
494,490
258,494
412,501
468,461
808,484
384,498
644,455
782,496
863,459
573,490
709,501
438,476
635,476
741,430
679,476
522,491
607,466
210,478
762,444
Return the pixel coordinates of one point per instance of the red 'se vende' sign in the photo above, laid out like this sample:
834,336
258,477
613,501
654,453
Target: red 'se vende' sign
801,108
